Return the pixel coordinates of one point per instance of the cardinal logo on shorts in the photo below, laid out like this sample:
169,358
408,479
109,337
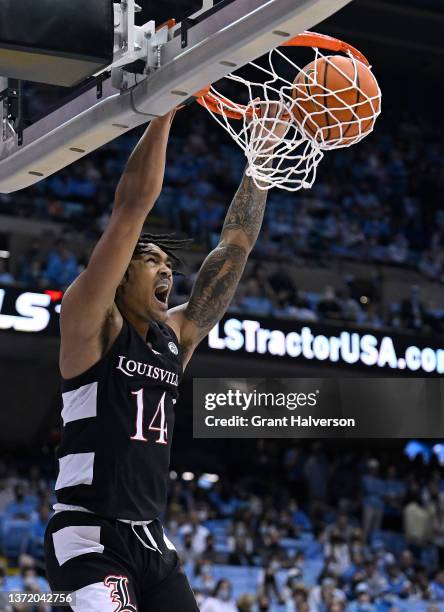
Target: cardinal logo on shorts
119,593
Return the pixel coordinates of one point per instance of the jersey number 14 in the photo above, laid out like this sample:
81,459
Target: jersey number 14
158,422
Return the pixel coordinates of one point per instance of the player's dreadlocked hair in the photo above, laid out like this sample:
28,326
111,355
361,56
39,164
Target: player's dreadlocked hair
167,242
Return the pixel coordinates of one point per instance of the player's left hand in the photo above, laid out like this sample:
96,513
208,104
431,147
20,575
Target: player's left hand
268,123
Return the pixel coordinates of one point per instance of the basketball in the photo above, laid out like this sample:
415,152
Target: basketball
337,100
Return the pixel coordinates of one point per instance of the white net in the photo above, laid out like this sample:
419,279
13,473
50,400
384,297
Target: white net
312,117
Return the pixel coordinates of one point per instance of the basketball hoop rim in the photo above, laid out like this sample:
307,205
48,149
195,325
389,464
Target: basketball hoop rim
212,102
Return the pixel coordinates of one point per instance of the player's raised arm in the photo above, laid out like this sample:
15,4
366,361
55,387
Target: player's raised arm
91,297
221,271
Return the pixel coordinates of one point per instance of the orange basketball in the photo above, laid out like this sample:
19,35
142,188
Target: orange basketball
337,100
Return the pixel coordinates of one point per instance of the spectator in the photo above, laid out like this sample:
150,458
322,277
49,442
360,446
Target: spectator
38,528
396,581
3,578
437,586
263,603
407,564
254,300
268,585
398,249
61,267
336,550
315,471
351,310
329,306
394,493
242,553
373,499
412,309
299,601
438,530
430,265
325,595
221,600
28,578
300,309
6,493
20,508
6,278
198,533
32,275
205,581
363,602
371,318
185,548
282,284
299,517
209,551
245,603
417,524
34,250
374,578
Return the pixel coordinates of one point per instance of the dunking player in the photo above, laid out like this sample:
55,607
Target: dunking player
121,358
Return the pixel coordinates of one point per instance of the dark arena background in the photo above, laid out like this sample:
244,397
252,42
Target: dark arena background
261,525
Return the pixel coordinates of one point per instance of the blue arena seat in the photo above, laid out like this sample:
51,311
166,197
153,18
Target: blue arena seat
222,547
218,525
393,541
243,579
16,534
311,570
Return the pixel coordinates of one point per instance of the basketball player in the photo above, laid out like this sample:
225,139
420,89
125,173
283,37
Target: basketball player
121,359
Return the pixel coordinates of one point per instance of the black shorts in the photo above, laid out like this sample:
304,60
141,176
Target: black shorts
109,568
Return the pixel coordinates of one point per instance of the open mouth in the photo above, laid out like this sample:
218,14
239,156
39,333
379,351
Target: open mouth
161,294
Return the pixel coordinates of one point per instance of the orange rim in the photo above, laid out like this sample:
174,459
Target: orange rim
213,102
170,23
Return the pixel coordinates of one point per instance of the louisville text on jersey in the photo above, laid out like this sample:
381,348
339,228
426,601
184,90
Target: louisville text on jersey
130,367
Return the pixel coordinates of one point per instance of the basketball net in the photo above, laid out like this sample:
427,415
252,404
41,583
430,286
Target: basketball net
291,161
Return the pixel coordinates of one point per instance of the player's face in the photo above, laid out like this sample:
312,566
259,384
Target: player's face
149,284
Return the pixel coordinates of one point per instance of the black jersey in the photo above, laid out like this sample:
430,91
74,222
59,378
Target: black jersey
118,420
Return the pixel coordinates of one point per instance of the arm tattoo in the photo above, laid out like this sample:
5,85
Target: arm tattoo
221,271
247,210
215,285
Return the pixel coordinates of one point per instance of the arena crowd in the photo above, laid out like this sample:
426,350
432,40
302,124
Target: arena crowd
267,290
301,529
378,203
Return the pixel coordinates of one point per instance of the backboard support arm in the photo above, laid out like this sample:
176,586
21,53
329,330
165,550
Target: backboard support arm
227,39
